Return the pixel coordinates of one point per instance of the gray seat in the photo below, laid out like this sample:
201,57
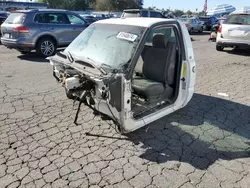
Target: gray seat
158,70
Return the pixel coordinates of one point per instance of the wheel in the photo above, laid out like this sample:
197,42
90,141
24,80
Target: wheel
201,30
46,47
191,31
219,48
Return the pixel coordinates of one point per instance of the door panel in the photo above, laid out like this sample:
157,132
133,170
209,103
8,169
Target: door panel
77,25
56,24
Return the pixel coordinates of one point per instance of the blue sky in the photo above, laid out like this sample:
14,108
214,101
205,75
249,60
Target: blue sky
193,4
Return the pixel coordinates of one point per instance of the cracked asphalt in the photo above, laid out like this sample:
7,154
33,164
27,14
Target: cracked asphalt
204,145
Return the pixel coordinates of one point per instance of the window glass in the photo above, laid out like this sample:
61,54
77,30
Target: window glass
167,32
131,14
52,18
144,13
240,19
109,44
16,18
75,20
155,14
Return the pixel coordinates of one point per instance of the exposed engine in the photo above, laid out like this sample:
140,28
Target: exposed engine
77,87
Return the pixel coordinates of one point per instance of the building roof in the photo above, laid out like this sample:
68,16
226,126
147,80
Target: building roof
136,21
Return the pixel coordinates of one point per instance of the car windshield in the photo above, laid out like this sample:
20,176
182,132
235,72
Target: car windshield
238,19
107,45
131,14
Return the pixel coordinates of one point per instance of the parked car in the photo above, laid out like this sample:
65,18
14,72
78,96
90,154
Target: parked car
209,21
3,17
88,18
193,25
100,16
142,13
222,19
234,32
41,30
134,70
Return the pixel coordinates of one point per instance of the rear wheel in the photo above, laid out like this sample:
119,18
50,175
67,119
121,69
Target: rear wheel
219,48
191,31
46,47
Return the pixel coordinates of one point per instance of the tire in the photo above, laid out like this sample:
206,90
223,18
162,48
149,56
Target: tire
46,47
191,31
201,30
219,48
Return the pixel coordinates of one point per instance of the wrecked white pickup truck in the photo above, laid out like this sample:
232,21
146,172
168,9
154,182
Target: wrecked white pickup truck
134,70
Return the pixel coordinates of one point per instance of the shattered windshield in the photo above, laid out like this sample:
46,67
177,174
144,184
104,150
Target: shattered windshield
107,45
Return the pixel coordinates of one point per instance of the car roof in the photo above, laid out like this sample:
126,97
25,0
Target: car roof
137,21
41,10
127,10
240,13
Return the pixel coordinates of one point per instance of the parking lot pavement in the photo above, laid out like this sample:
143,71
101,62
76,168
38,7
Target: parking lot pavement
204,145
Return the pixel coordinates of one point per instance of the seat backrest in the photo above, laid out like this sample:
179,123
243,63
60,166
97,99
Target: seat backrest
155,60
159,41
159,62
60,19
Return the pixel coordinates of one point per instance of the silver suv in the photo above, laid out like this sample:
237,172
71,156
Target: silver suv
234,32
41,30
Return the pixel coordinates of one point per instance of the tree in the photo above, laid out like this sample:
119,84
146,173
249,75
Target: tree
105,5
81,4
52,3
68,4
128,4
202,13
151,8
178,12
189,13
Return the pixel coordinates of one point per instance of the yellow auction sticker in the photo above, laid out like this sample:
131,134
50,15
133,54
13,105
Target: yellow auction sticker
184,72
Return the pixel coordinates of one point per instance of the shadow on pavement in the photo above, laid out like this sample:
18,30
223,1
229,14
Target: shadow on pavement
206,130
32,56
239,52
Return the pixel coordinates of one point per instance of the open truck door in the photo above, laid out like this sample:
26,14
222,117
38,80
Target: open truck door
162,75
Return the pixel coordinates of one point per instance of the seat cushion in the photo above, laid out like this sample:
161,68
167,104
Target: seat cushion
148,88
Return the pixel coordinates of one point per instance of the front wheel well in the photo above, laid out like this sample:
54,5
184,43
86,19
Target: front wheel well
46,36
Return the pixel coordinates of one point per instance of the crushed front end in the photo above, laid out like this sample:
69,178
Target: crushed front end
102,93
